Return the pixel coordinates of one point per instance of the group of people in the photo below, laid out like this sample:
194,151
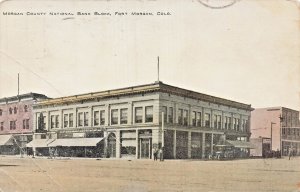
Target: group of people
158,153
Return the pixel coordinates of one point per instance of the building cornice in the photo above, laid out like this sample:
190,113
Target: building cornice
143,89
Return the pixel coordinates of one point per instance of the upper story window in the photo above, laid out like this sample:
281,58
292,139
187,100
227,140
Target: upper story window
199,119
54,121
283,131
12,125
0,112
102,117
86,118
219,121
138,114
71,120
66,120
25,123
96,118
180,116
165,111
225,122
185,117
215,121
170,114
80,119
207,119
238,124
243,127
25,108
149,114
124,116
83,119
234,123
194,116
10,110
229,123
15,110
114,116
1,126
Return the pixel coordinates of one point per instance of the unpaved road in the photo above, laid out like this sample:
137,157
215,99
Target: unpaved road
255,175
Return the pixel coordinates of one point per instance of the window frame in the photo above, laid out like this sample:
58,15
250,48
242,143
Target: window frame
112,121
124,120
149,117
138,118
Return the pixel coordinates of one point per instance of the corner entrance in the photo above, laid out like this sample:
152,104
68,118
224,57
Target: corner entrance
111,145
145,144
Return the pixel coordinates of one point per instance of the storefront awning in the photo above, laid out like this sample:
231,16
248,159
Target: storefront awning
76,142
241,144
39,143
6,140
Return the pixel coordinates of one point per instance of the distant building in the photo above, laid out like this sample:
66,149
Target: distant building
262,147
16,121
280,124
133,121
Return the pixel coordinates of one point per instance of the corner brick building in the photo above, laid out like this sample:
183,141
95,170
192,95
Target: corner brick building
132,121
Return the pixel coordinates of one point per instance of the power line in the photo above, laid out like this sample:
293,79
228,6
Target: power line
34,73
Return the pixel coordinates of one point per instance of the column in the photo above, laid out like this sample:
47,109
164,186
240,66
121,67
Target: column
75,118
105,134
118,144
107,112
91,117
47,121
175,113
174,144
203,146
130,113
189,144
212,144
190,116
137,144
61,119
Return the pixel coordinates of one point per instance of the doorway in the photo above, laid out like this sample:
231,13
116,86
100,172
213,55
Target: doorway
145,148
111,145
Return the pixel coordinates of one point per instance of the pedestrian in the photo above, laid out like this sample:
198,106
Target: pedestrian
161,154
290,152
155,153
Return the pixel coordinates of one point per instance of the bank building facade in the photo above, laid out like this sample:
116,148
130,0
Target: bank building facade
131,122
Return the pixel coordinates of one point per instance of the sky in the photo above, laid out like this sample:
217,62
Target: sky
248,52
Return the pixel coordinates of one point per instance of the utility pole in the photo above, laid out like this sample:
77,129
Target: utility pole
18,85
162,130
158,69
281,146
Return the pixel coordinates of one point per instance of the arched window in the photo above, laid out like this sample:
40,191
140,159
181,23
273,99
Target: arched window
15,110
10,110
25,108
0,112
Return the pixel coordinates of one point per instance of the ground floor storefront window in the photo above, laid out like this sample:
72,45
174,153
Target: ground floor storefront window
196,145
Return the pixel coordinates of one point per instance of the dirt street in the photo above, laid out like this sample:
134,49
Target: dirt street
27,174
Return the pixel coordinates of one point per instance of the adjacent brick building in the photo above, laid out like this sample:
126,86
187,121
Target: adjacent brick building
16,121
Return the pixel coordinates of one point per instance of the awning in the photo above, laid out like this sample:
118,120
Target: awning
6,140
39,143
76,142
241,144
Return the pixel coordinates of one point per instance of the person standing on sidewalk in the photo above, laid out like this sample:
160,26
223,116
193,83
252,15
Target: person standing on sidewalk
161,154
155,153
290,152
